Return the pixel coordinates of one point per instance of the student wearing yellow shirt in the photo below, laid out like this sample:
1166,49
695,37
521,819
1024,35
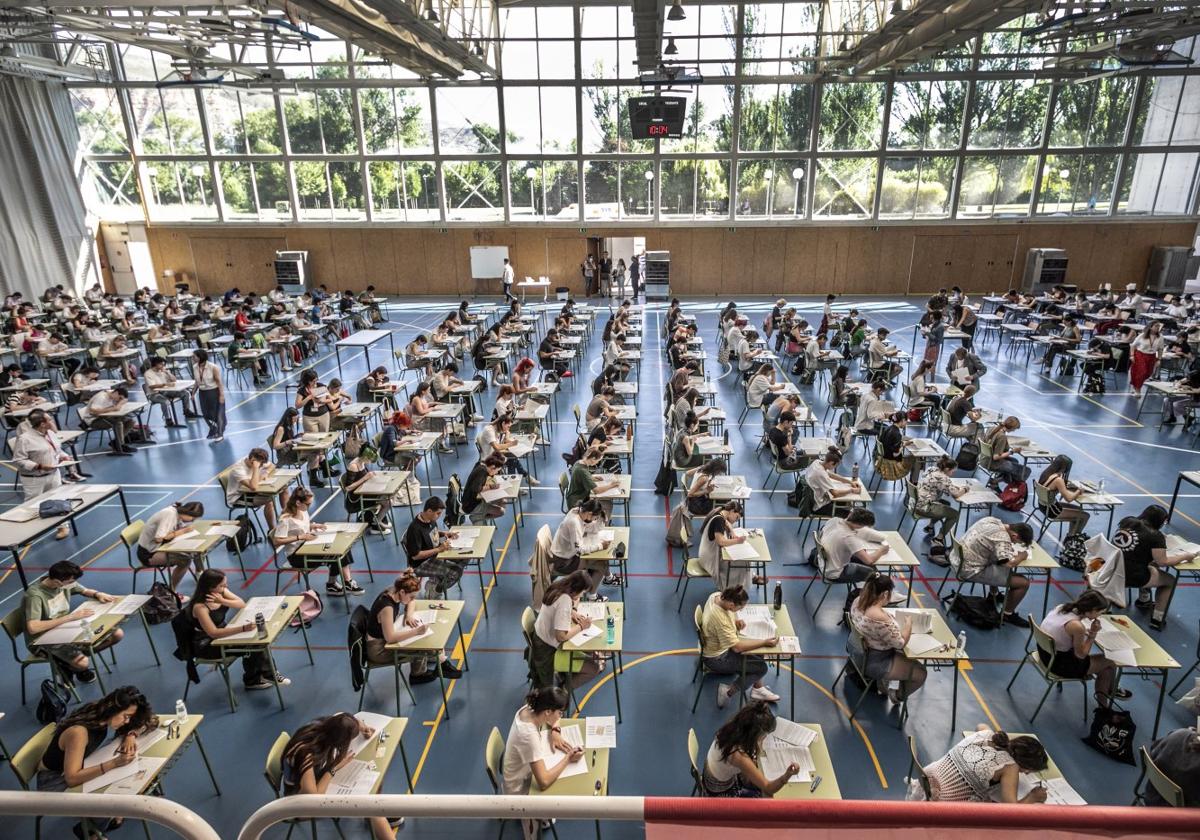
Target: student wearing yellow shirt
725,652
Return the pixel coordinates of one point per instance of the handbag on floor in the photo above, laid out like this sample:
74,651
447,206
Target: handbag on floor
1112,734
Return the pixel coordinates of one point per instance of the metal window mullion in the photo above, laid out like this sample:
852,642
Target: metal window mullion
1139,92
218,190
286,140
505,181
580,189
814,133
735,134
880,158
1047,122
438,174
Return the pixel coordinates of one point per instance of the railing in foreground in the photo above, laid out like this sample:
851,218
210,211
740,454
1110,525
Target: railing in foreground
719,819
154,809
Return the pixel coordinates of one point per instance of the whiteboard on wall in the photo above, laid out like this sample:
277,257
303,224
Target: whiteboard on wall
487,261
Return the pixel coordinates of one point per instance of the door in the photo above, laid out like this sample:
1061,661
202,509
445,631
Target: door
992,268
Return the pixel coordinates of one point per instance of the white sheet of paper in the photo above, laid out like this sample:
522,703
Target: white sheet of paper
136,771
108,751
755,612
922,622
146,768
224,530
1122,657
1110,639
920,643
552,758
375,721
1060,792
758,630
978,497
587,634
789,733
606,534
128,605
601,732
741,551
593,610
425,632
355,779
775,762
494,495
325,538
789,644
187,543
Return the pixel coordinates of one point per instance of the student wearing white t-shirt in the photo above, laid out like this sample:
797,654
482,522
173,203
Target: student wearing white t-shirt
295,528
98,414
161,528
508,281
244,479
558,621
523,760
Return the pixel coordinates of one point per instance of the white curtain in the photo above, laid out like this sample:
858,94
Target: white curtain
44,236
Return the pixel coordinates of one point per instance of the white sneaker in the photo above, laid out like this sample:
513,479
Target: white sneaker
898,598
533,481
761,692
722,695
476,418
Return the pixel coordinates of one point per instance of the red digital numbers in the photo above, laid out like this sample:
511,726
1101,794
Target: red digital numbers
657,130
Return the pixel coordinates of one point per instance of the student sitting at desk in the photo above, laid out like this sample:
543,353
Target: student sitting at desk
1173,405
558,621
880,355
1144,553
419,405
47,604
726,653
964,416
388,622
872,408
885,638
780,437
684,451
576,535
127,714
53,343
159,386
244,480
923,394
423,542
716,533
112,352
283,443
824,482
1056,478
398,427
1073,627
762,386
279,340
1177,755
203,619
984,766
369,387
161,528
496,437
933,486
482,477
317,751
731,763
542,711
989,557
372,510
582,485
1003,464
546,355
852,546
102,412
414,358
295,528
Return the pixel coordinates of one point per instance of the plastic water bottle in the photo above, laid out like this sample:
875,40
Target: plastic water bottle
1101,485
260,624
778,598
610,628
961,650
854,471
180,712
86,634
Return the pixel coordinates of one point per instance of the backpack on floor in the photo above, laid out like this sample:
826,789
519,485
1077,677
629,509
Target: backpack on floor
974,611
1112,734
162,606
244,537
1014,495
968,457
53,706
310,608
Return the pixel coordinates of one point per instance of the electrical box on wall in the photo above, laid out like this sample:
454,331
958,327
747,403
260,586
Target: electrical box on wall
1045,268
1167,272
291,271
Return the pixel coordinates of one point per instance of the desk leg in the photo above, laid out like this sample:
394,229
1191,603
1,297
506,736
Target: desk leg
1162,691
207,765
792,668
462,643
1046,594
20,569
337,351
1175,496
124,507
304,633
274,672
912,582
396,675
482,591
149,638
407,772
442,683
618,667
954,701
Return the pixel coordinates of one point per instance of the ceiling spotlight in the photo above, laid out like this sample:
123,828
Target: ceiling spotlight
844,46
671,48
478,49
431,15
676,12
898,7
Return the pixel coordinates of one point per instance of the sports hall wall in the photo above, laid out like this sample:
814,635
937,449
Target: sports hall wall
885,260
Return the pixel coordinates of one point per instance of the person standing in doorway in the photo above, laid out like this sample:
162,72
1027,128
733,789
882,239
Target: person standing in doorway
508,281
589,274
635,274
606,266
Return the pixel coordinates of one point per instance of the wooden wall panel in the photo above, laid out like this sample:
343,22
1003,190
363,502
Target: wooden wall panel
792,260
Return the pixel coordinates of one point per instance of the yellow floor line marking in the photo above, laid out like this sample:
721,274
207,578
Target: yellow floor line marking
979,698
692,652
436,723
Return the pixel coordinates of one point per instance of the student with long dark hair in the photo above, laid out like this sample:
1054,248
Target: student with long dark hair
283,443
1073,627
885,638
388,622
985,766
731,764
1056,478
557,622
205,619
317,752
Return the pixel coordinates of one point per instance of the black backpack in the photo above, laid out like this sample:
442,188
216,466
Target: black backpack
162,606
968,457
974,610
53,706
244,537
1073,554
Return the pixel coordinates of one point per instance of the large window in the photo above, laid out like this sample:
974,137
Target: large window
1002,125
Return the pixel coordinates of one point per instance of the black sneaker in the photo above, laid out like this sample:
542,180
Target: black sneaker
1158,624
426,676
1170,421
261,685
450,672
334,587
1016,620
1144,605
611,580
353,587
86,676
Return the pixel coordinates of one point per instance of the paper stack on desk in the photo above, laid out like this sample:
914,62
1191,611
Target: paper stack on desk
128,779
551,757
922,622
1118,646
789,734
775,762
375,721
741,551
759,623
355,779
464,538
601,732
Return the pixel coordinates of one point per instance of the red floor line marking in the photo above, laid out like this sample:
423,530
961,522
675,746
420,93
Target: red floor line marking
258,572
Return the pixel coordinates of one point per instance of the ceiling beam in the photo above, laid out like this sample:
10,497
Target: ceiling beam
648,33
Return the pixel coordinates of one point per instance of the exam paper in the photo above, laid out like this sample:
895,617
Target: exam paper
375,721
601,732
922,643
137,772
1110,638
774,763
758,630
108,751
606,535
789,644
789,733
593,610
922,622
224,530
355,779
186,543
551,757
740,551
586,634
494,495
755,612
425,632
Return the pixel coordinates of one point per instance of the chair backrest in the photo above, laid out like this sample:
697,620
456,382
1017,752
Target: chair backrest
698,618
693,748
918,769
1157,779
273,771
25,761
493,758
910,494
14,626
1042,494
528,617
856,648
985,448
131,533
1041,638
223,479
822,559
564,483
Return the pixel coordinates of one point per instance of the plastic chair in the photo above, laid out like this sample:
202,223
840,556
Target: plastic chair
910,508
701,669
130,535
14,628
1043,642
25,764
368,666
914,765
691,568
856,658
250,504
1157,779
1043,498
822,565
693,748
564,483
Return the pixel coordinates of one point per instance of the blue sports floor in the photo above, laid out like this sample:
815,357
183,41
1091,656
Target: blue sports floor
1138,461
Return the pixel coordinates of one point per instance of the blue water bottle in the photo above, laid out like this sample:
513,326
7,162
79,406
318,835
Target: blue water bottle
610,627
